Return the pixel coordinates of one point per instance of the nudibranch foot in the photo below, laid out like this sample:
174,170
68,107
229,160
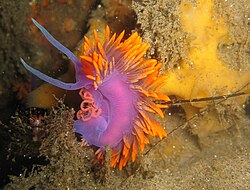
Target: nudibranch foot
117,88
84,143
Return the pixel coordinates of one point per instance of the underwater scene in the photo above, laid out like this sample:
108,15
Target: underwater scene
125,94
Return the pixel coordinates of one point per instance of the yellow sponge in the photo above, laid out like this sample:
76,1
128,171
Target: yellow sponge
206,75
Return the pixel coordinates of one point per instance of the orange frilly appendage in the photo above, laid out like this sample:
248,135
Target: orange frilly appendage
99,61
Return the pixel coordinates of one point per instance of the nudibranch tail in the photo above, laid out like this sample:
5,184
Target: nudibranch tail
117,87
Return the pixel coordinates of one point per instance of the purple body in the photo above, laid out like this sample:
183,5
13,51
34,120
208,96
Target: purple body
118,111
113,96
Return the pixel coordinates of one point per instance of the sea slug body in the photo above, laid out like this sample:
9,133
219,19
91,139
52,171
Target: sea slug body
117,90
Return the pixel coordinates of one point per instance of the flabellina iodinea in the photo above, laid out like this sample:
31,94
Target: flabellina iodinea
117,88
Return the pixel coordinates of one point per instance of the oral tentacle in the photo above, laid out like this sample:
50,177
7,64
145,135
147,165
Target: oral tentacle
55,82
60,47
81,80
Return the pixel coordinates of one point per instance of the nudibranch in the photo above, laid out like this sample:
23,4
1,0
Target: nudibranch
118,92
